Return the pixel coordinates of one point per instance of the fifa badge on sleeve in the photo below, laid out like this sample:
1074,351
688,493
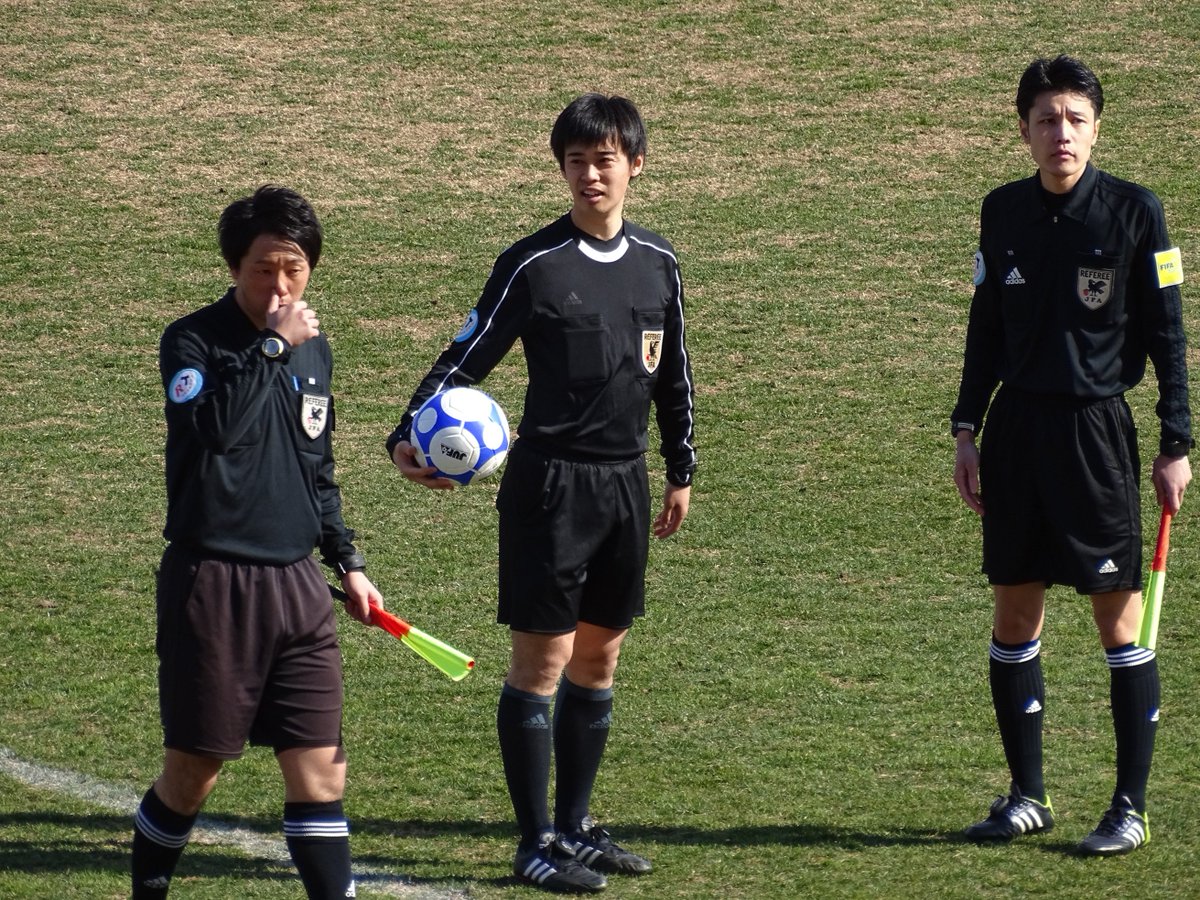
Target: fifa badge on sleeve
1168,264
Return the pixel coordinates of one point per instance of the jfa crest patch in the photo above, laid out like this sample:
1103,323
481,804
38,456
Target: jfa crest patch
314,414
651,350
1093,286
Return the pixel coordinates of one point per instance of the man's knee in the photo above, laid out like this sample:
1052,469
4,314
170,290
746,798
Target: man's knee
1020,610
594,662
313,774
186,781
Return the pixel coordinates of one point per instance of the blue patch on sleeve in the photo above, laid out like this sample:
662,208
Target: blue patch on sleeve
468,327
185,385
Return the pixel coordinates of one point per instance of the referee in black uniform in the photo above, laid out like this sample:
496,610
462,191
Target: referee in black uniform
1076,285
246,640
598,305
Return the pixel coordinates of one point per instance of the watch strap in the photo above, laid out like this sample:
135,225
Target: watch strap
274,346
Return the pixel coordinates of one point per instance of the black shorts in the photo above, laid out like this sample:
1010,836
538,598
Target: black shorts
574,537
246,652
1059,479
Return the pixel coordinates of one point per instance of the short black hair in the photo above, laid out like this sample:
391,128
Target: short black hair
1063,73
596,118
271,209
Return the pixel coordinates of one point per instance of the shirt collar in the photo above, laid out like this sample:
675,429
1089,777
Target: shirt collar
1079,198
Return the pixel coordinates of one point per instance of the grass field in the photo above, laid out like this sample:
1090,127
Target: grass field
804,712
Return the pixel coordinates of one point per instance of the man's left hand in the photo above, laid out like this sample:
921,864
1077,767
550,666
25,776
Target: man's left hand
1170,475
361,594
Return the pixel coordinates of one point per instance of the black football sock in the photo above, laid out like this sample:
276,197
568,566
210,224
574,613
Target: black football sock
159,837
318,837
582,718
1134,695
523,725
1019,697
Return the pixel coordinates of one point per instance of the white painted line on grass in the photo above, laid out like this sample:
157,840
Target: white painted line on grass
117,798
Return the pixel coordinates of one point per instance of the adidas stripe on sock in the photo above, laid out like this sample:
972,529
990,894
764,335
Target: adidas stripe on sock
1134,696
1019,698
318,837
159,837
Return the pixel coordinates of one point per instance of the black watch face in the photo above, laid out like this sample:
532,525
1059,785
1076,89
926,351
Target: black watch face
272,347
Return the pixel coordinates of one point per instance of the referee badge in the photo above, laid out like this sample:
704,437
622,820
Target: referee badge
314,414
651,350
1094,286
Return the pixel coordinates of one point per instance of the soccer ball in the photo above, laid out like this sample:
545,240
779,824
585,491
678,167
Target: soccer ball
462,432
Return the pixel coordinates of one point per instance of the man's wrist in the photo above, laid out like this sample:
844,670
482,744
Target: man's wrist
1175,449
274,346
353,563
680,479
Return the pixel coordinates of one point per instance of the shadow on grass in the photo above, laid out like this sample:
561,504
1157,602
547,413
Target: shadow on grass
807,834
101,843
54,843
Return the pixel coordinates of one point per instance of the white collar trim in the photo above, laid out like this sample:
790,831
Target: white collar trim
605,256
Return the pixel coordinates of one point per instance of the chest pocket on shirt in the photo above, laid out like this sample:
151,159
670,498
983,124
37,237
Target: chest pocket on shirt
1099,286
316,414
648,338
585,340
312,411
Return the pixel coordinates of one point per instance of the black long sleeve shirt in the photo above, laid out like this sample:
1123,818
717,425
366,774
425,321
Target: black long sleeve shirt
602,328
249,463
1072,296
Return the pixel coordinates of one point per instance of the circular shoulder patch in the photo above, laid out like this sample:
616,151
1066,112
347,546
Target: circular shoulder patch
185,385
468,327
980,269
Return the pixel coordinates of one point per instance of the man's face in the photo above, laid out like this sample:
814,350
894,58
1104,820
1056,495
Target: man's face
598,175
1061,130
273,267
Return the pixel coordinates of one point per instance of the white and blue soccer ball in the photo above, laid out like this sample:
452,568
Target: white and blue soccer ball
462,432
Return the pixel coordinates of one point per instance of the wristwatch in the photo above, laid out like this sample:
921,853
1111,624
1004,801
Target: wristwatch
273,346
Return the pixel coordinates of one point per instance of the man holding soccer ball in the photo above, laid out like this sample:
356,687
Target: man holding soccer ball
598,305
1076,285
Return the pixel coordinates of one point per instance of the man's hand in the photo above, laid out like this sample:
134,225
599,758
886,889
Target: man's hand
361,594
966,471
1170,476
674,510
295,322
405,458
